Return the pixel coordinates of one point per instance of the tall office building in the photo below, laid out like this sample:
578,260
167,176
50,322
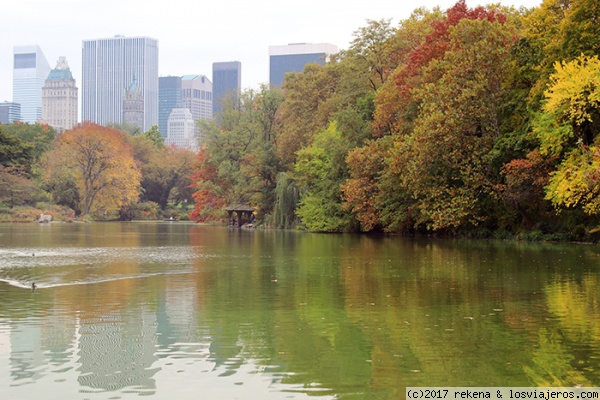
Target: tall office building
169,97
294,57
227,79
9,112
29,74
181,130
59,98
196,95
107,68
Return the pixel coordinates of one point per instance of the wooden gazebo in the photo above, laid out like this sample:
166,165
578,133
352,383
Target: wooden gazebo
243,214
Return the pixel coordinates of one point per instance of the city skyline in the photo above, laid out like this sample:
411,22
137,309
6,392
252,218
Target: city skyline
109,67
226,31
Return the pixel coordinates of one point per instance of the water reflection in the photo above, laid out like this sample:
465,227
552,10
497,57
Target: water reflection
161,309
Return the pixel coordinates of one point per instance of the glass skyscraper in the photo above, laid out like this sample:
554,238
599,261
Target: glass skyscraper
108,67
227,78
30,70
293,58
169,97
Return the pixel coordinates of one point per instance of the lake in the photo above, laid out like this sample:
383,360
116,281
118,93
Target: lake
178,310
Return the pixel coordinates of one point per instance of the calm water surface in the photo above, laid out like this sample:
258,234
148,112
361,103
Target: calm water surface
178,311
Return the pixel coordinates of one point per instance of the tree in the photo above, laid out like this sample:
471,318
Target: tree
240,146
446,167
320,171
99,162
169,168
16,189
38,136
209,190
155,136
523,186
368,49
361,190
14,151
567,128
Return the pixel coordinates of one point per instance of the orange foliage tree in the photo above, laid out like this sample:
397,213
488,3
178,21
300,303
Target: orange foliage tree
208,197
100,164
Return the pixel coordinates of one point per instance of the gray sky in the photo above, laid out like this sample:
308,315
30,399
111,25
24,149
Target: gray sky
192,34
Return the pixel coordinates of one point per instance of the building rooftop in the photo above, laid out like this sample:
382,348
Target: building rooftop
61,72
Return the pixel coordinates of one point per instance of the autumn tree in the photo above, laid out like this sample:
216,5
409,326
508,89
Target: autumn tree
240,144
209,191
362,189
100,165
568,128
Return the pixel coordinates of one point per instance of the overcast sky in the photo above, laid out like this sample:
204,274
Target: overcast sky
192,34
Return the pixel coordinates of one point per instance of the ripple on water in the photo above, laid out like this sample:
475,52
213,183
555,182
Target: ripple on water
67,266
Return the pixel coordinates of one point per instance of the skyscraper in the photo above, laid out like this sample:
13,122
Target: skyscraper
294,57
30,70
107,68
59,98
196,95
169,97
227,78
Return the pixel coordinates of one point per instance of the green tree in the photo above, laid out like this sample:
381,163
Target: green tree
38,136
14,151
167,175
320,170
155,136
241,145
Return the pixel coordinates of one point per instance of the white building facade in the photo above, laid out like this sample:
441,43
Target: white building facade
181,130
107,68
196,95
59,98
30,70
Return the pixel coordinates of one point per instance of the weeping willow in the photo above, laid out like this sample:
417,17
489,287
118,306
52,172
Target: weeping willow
287,196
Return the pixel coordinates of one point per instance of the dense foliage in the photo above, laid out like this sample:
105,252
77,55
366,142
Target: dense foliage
477,121
91,171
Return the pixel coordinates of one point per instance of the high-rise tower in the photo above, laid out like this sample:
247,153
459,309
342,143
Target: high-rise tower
294,57
30,70
227,79
169,97
107,68
59,98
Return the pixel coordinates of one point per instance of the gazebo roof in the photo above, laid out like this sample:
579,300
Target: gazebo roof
240,207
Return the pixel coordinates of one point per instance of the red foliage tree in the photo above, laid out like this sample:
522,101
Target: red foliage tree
208,194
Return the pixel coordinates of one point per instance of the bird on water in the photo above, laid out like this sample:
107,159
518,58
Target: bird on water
33,286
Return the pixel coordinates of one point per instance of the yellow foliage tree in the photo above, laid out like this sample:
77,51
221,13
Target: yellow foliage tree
99,162
568,128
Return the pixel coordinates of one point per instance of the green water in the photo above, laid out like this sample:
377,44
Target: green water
178,311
